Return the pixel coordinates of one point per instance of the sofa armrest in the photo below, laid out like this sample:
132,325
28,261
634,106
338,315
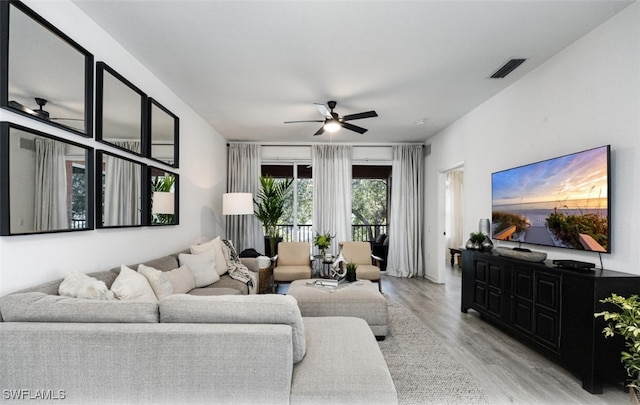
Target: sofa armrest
251,263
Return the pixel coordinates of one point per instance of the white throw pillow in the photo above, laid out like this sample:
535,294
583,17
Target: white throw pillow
181,280
131,285
213,247
201,266
80,285
158,280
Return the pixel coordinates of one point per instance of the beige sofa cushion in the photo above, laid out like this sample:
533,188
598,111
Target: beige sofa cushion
249,309
39,307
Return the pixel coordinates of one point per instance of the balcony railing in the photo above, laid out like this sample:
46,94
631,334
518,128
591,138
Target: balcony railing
305,233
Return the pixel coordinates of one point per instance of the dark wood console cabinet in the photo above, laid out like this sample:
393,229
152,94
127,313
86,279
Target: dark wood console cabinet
550,309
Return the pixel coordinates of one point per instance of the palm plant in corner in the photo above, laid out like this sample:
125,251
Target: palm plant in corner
626,323
270,206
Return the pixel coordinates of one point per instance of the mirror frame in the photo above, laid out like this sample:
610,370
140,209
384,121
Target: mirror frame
176,192
4,67
5,179
101,68
144,197
176,133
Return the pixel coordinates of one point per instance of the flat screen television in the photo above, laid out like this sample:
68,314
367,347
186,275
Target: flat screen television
561,202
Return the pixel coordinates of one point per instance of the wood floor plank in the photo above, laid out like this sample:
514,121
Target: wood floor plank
510,372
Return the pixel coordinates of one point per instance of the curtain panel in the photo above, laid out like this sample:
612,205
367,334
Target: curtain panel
405,258
243,168
455,184
332,192
122,187
50,186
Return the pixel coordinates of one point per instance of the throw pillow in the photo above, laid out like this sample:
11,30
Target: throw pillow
181,280
131,285
201,265
214,247
158,280
80,285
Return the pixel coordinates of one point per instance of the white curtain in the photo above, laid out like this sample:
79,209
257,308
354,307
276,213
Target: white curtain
50,186
332,192
243,176
405,258
122,189
454,209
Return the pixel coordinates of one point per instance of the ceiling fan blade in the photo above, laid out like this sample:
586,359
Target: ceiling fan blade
320,131
323,110
66,119
295,122
355,128
367,114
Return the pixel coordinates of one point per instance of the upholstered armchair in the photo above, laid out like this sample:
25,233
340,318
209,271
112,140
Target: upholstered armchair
368,264
293,262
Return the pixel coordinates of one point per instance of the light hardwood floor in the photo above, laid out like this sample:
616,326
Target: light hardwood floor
510,372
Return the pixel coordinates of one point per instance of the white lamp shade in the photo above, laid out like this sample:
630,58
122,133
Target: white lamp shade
163,203
237,203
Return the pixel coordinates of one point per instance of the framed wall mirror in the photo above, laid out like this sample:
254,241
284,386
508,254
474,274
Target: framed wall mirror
46,183
164,197
45,75
120,111
120,194
164,130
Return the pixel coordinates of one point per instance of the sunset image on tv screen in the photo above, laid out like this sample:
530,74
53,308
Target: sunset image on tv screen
560,202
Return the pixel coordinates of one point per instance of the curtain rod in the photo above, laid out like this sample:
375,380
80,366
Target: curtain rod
371,145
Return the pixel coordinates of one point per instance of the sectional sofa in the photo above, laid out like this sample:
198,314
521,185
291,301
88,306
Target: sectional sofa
205,346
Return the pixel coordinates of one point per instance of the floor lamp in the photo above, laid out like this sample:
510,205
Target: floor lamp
237,204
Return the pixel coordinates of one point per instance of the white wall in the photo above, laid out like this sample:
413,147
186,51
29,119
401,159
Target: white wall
28,260
588,95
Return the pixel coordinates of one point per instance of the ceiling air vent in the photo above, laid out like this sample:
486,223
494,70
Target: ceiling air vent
507,68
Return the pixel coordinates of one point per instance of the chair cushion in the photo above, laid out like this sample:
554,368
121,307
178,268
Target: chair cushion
367,272
290,273
357,252
293,254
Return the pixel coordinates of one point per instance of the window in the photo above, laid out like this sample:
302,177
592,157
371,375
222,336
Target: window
370,201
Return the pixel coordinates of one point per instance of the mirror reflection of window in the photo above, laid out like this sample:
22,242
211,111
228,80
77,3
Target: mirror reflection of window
47,72
48,183
121,191
163,133
163,197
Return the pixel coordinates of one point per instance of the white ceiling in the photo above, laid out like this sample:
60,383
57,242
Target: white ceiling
248,66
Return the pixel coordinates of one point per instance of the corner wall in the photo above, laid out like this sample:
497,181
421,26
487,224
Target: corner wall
588,95
28,260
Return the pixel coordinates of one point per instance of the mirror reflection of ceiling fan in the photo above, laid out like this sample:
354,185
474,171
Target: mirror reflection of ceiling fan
333,122
40,112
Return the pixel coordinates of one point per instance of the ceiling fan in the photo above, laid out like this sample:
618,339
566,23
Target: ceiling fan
333,122
40,112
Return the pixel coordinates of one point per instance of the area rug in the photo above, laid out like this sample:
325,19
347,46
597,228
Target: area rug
422,368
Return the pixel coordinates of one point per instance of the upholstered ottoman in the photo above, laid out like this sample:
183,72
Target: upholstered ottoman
360,299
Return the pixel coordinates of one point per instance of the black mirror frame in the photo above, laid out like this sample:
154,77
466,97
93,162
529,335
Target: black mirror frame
144,190
176,208
5,205
176,133
101,67
4,67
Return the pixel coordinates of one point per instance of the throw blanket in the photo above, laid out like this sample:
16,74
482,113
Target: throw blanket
236,269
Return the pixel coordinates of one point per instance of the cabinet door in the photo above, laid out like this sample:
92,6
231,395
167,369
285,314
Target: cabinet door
522,286
547,309
488,287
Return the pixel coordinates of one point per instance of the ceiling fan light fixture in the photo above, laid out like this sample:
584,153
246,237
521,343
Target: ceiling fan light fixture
332,125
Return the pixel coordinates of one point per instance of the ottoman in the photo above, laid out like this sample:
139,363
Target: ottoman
360,299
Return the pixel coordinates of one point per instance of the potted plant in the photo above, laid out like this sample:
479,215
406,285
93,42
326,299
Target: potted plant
626,323
475,240
351,271
162,184
270,206
322,241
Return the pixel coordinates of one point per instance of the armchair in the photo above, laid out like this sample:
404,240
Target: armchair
360,254
293,262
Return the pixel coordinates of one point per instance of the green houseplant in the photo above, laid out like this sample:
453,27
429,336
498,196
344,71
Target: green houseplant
162,184
351,271
626,323
322,241
270,205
